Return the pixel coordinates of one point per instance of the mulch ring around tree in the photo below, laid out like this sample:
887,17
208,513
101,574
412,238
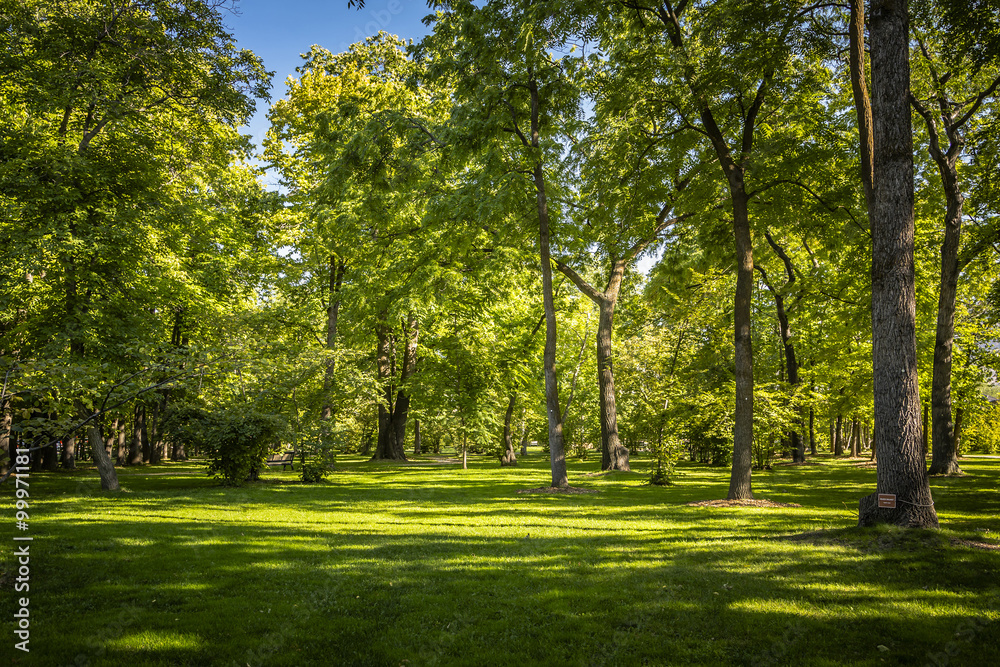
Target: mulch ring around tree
758,502
558,489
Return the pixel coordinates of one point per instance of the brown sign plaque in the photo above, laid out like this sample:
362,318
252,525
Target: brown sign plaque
887,500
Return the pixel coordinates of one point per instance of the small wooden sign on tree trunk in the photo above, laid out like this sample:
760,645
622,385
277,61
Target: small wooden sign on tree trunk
887,500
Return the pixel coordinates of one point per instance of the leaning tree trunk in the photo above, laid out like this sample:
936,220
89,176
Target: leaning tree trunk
105,467
944,454
901,469
508,457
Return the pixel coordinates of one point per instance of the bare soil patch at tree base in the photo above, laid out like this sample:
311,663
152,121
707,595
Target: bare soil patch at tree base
757,502
957,541
558,489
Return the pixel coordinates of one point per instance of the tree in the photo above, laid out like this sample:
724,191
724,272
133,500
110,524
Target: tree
947,101
97,94
723,82
901,469
515,99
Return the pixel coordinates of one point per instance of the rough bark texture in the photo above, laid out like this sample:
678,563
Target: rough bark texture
105,468
862,101
508,457
900,470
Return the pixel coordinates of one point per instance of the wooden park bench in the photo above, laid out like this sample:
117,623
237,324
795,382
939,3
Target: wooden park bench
282,459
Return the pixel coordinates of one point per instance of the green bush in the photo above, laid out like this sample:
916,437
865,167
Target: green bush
235,440
315,470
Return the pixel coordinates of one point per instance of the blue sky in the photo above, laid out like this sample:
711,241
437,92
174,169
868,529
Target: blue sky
278,31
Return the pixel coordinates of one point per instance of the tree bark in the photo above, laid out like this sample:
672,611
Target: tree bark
388,446
944,459
508,457
855,437
144,435
901,469
557,454
812,431
69,453
785,331
838,449
135,446
105,468
337,269
6,442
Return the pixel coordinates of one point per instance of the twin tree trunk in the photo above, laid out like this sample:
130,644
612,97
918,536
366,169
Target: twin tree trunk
395,404
509,456
614,455
901,469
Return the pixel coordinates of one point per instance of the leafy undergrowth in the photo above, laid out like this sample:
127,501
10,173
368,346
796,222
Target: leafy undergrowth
388,564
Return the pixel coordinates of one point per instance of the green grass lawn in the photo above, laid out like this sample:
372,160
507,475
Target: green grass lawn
428,564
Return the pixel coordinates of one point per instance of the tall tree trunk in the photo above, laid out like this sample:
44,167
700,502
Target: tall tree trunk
732,161
69,453
118,433
925,431
557,454
401,412
387,445
6,442
508,457
156,443
838,449
812,431
785,331
901,470
337,269
855,437
105,468
135,448
614,455
944,459
416,437
524,432
394,407
740,486
144,435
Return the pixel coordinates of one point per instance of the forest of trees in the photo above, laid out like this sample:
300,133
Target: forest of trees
723,230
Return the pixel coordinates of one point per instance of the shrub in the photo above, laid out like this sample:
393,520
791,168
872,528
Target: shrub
236,441
315,470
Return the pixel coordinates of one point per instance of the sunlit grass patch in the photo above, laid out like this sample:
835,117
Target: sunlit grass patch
433,564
